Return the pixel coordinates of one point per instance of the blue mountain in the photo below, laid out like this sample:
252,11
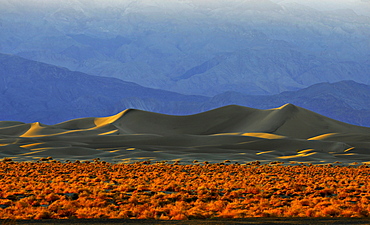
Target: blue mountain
202,47
32,91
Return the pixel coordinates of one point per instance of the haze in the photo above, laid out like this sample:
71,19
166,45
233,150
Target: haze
205,48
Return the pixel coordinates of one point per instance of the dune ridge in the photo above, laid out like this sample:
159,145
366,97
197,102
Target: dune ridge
235,133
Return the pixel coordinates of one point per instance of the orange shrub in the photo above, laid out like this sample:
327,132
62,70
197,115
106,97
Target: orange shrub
51,189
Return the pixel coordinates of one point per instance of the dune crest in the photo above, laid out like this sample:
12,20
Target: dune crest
33,131
102,121
232,132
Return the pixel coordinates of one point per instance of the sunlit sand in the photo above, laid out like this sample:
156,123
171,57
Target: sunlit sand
235,133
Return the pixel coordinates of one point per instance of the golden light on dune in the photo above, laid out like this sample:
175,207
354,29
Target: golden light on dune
226,134
264,135
344,154
281,107
321,137
30,145
349,149
303,153
102,121
33,131
109,132
254,134
265,152
33,152
36,129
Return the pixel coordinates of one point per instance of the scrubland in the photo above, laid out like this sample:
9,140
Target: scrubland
41,190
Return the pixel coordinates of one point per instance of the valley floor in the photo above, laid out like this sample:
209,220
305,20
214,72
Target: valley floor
209,192
259,221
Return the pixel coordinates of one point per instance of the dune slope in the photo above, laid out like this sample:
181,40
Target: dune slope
236,133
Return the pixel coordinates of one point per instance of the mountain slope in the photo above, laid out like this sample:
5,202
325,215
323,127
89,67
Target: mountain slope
196,47
33,91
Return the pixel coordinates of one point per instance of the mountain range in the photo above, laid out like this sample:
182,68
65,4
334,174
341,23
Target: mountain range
196,47
32,91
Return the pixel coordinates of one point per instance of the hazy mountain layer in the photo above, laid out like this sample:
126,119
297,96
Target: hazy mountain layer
236,133
31,91
196,46
345,101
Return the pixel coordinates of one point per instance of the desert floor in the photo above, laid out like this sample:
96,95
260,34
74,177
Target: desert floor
259,221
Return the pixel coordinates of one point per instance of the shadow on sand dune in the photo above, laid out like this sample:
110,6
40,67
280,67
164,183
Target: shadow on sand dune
234,133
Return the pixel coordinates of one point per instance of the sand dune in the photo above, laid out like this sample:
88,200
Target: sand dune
235,133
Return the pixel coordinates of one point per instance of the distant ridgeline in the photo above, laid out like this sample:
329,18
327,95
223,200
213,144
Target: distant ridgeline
36,92
202,47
